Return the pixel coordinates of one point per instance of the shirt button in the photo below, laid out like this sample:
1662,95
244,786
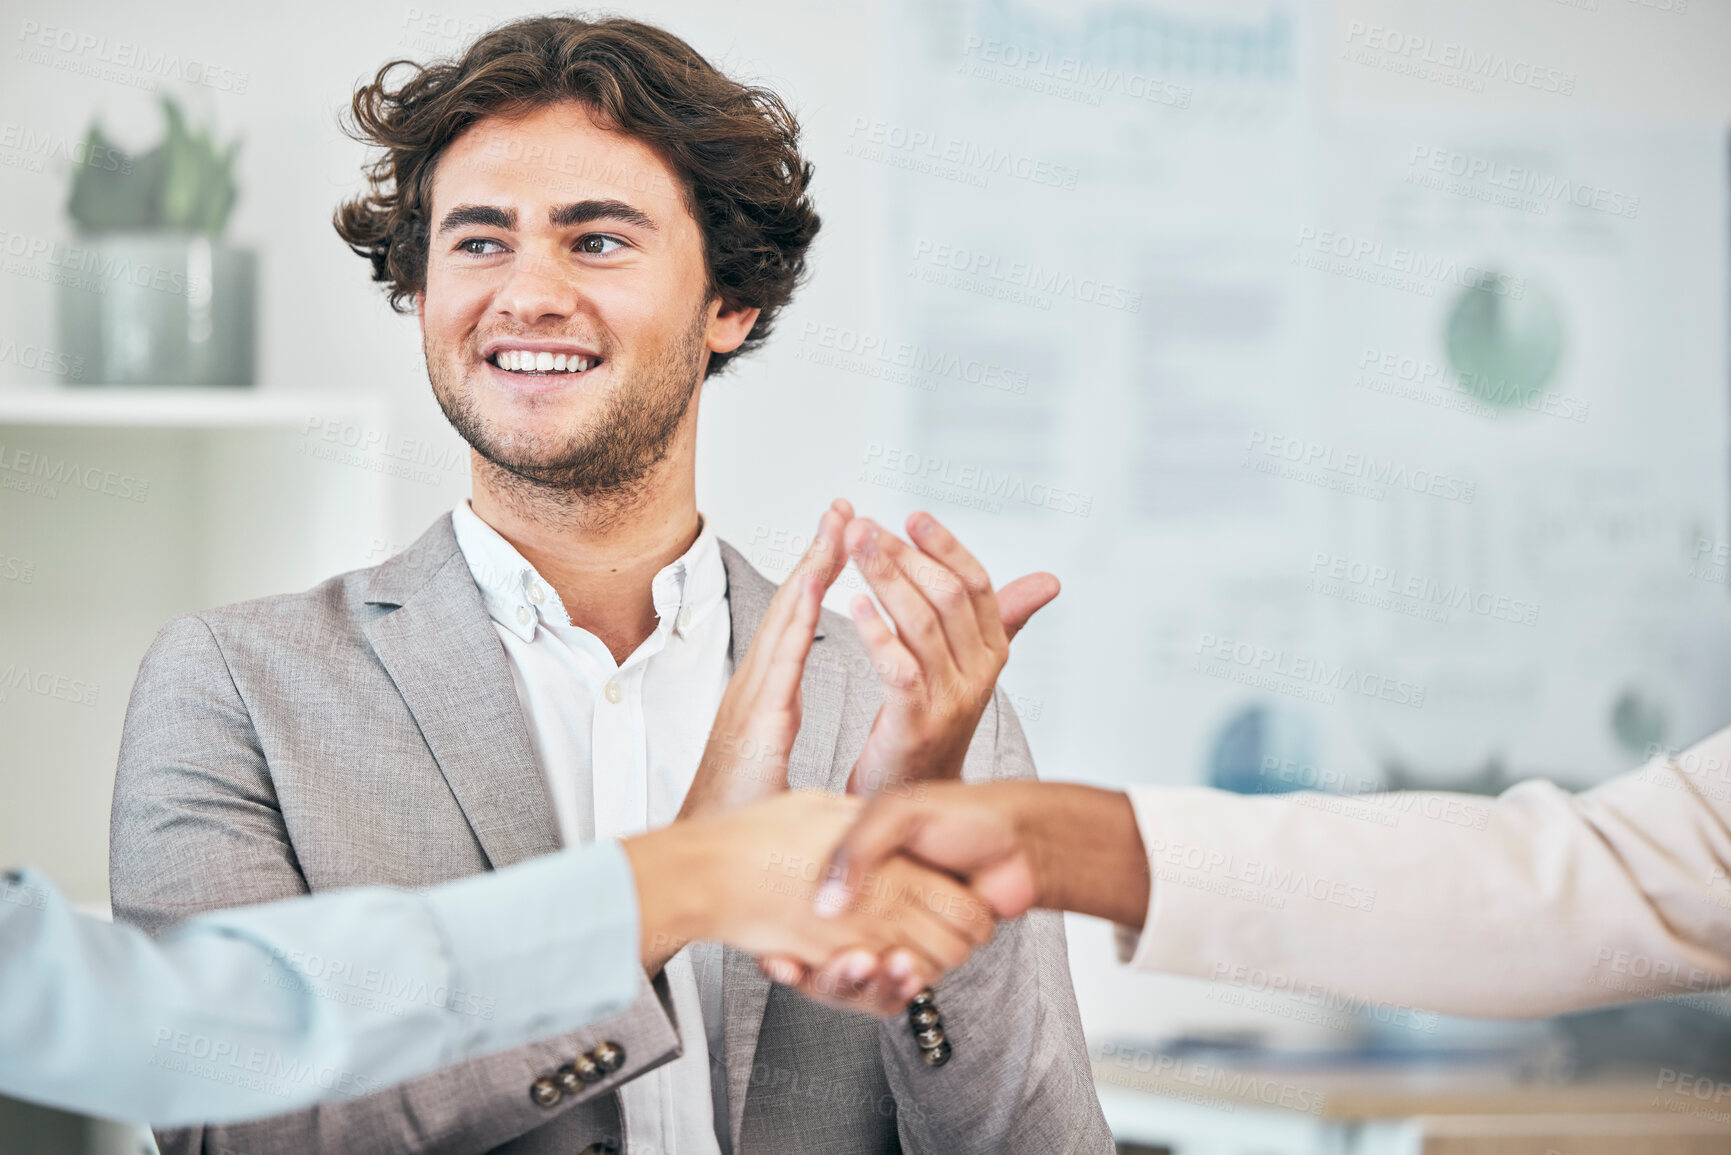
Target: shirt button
614,693
685,619
537,594
524,617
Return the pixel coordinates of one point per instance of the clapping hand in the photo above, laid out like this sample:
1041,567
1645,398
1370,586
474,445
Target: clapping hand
940,664
746,757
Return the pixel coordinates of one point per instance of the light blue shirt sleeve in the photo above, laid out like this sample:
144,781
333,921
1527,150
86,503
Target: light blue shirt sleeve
244,1013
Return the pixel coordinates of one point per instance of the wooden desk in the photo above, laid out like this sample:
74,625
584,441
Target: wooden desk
1203,1107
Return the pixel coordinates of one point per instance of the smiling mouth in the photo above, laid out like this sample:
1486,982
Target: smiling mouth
530,363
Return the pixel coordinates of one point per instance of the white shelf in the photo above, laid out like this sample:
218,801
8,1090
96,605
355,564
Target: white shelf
165,407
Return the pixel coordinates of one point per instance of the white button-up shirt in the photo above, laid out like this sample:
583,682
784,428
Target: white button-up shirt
619,744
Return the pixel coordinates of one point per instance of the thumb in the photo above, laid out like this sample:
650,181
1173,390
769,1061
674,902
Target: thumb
1021,599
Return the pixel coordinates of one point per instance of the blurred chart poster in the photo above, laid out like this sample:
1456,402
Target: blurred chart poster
1369,453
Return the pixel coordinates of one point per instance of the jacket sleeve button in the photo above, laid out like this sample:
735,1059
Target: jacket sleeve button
609,1056
545,1092
937,1056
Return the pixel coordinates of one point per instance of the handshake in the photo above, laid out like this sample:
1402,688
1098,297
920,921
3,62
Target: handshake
760,867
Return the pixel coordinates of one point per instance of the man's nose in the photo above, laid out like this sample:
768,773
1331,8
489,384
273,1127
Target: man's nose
539,287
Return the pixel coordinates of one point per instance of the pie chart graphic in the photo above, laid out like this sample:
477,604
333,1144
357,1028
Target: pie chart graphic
1504,348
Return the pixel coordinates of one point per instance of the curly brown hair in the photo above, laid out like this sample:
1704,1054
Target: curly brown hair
734,146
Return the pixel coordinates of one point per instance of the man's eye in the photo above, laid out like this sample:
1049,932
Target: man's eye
476,246
598,243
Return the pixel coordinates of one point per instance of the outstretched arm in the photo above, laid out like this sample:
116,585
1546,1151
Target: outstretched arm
246,1013
1536,902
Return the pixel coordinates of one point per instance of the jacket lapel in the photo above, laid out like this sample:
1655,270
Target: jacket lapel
811,766
439,646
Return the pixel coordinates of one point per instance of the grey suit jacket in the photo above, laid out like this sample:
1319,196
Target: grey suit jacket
367,731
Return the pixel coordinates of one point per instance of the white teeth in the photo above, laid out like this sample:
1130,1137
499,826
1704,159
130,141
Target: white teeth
524,361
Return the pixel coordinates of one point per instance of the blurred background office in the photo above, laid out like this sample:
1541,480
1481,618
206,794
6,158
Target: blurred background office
1361,367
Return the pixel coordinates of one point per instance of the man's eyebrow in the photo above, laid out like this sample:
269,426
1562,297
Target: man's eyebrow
487,216
583,212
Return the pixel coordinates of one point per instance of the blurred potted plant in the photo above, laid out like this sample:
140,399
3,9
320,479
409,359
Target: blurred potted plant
152,295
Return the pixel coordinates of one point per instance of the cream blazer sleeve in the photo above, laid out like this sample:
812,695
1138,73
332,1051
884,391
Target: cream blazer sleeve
1532,903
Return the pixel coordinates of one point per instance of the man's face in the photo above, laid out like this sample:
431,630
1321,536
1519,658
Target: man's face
566,318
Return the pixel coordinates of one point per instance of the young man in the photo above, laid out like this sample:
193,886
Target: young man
590,220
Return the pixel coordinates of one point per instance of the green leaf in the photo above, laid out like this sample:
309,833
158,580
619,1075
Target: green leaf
186,182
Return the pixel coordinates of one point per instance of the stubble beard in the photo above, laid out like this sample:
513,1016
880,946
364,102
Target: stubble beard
595,472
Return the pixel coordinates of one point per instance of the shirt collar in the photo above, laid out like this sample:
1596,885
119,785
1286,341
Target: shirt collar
685,592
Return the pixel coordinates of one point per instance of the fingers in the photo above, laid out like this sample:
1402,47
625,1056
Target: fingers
787,663
939,543
1021,599
926,601
963,830
822,562
827,554
877,995
783,969
884,827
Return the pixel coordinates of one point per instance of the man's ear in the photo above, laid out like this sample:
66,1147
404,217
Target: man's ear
421,312
729,327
